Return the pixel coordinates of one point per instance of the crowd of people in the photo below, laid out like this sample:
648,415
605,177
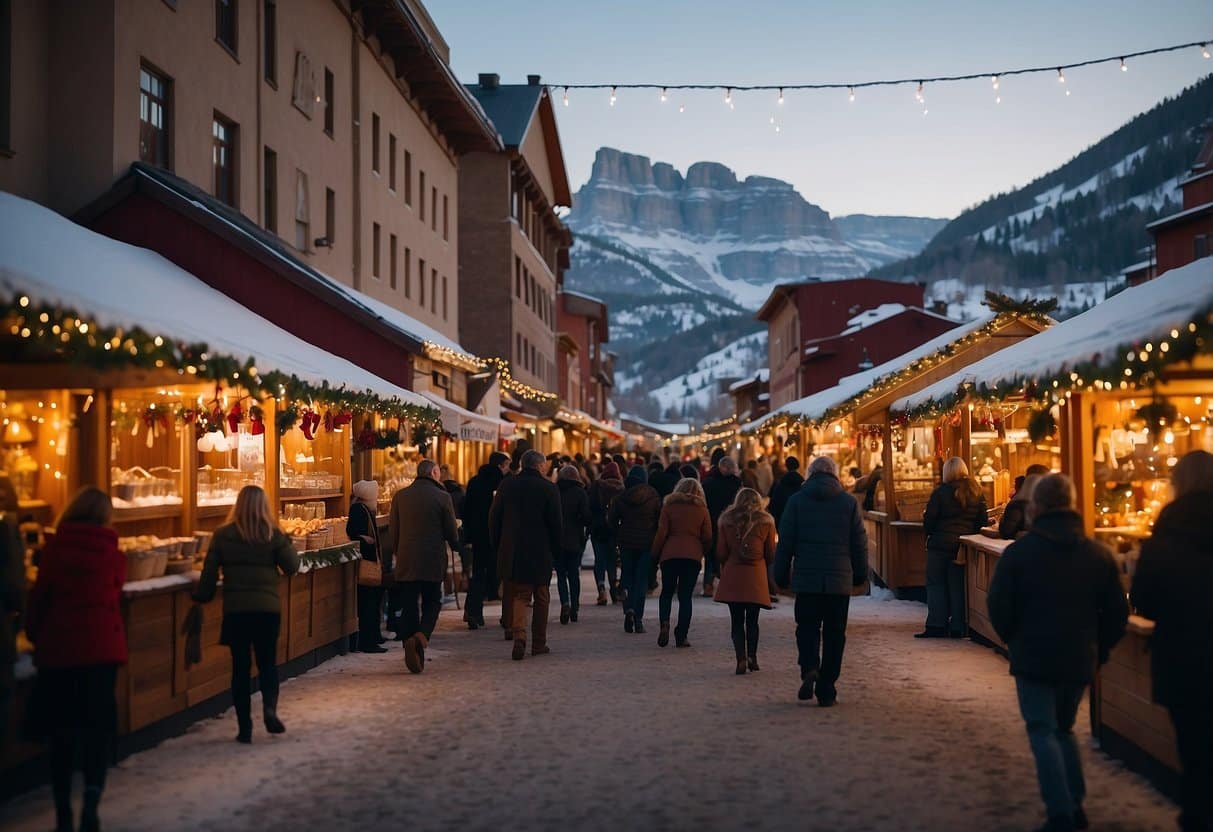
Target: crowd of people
1056,597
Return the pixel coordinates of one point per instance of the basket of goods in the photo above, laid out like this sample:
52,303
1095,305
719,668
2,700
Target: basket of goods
311,533
179,566
144,557
317,540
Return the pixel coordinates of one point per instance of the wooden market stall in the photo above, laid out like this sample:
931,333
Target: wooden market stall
851,422
1114,397
154,395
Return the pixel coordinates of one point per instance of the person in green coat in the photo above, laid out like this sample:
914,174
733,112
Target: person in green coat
251,552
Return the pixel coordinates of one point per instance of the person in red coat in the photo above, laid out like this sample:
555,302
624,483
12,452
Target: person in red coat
75,622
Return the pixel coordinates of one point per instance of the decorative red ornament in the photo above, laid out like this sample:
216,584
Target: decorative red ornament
309,420
234,417
366,439
256,417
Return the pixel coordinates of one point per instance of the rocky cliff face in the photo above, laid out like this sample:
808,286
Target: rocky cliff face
727,236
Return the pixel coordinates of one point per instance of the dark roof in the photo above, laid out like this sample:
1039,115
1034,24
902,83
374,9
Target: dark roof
511,107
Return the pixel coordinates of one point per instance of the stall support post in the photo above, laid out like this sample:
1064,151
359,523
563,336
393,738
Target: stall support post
966,437
188,458
347,485
886,460
1077,459
270,409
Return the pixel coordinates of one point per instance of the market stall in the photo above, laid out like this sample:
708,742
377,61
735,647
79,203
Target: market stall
119,369
899,461
1114,397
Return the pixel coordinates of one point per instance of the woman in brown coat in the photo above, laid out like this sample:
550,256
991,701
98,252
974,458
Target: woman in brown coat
745,548
684,535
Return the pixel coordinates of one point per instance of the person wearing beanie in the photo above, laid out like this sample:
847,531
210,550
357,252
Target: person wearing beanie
363,526
575,514
475,515
688,471
783,490
603,535
635,513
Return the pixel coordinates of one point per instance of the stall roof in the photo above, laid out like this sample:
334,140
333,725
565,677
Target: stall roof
1137,315
848,387
54,260
467,425
678,429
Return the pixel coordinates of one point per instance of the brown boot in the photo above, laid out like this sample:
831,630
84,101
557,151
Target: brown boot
565,612
604,598
414,658
519,650
663,638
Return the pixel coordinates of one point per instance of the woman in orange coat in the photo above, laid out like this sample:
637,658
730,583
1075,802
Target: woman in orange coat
745,548
684,536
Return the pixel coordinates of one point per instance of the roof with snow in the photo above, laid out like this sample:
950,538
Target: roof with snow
1139,314
1140,265
759,377
56,261
1181,215
670,429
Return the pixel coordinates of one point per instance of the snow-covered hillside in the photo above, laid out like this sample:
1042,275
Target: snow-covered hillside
704,388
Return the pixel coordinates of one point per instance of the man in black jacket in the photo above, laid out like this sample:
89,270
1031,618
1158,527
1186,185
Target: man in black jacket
783,490
822,554
474,512
720,487
525,526
1056,600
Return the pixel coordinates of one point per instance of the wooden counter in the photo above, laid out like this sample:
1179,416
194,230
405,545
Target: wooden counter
319,612
905,556
981,557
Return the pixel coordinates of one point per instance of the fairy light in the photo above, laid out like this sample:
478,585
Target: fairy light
682,108
918,95
780,100
994,81
664,95
850,93
1061,76
566,96
1123,66
1204,50
614,95
728,97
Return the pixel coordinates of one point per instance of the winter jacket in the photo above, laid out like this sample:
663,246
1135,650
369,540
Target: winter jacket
574,515
602,493
476,504
684,529
782,491
12,596
1014,520
1173,587
458,495
945,520
720,492
74,615
525,526
663,483
744,563
420,527
1056,601
250,570
749,479
362,524
635,514
766,478
823,547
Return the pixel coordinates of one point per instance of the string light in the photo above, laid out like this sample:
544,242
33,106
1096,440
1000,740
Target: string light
1123,66
851,93
994,80
780,101
1061,76
566,96
682,108
918,95
728,97
614,95
664,95
1204,51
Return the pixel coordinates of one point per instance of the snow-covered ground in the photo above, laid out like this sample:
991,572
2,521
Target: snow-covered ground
611,732
965,302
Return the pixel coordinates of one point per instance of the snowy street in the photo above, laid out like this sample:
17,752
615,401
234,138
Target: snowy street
610,731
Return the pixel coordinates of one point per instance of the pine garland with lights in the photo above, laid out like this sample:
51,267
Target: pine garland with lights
44,332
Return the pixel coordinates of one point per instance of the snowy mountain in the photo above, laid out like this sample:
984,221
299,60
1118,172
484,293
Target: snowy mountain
1079,225
714,233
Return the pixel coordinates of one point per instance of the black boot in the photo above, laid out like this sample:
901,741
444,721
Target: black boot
269,710
244,722
63,811
933,632
89,821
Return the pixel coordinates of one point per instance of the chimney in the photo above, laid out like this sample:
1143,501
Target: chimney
532,80
489,80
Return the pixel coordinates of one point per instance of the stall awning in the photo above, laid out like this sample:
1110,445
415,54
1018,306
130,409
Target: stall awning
581,419
469,426
1134,317
56,261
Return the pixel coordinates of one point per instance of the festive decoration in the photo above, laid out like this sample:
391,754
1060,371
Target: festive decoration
1028,307
516,388
46,332
1041,424
256,417
234,417
1157,415
156,420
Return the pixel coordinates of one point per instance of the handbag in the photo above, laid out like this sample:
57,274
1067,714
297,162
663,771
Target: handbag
370,572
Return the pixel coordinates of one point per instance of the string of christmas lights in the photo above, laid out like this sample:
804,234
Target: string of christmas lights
919,81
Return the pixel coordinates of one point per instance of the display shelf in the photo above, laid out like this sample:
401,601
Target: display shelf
220,510
132,515
293,498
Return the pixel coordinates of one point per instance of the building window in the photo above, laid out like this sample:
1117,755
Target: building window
391,262
408,178
269,174
446,220
421,194
153,116
330,216
225,24
391,162
375,235
223,158
444,307
1200,246
408,272
517,349
375,142
302,213
526,276
434,291
270,24
518,277
433,209
421,282
328,101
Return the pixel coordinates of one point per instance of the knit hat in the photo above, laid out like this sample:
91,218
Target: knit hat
610,471
689,472
569,472
366,491
637,476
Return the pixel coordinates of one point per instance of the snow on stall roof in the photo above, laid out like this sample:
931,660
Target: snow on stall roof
679,429
54,260
848,387
1142,313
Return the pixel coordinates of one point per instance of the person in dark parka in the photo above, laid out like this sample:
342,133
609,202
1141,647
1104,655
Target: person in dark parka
957,507
1173,587
603,535
635,514
362,525
783,490
720,488
526,527
1057,602
821,555
1014,520
475,515
575,522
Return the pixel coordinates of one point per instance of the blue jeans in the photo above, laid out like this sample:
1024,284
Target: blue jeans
605,557
1049,710
634,577
568,579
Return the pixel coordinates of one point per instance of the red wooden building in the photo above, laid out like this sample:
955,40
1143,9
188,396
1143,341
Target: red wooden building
585,368
1187,235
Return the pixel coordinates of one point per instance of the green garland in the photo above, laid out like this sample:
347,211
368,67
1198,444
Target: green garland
1029,307
44,332
1137,365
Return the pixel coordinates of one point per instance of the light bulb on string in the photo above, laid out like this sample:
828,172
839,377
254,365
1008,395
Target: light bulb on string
1204,50
566,96
682,108
780,101
994,81
728,97
918,95
664,95
1061,76
1123,66
614,95
851,93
